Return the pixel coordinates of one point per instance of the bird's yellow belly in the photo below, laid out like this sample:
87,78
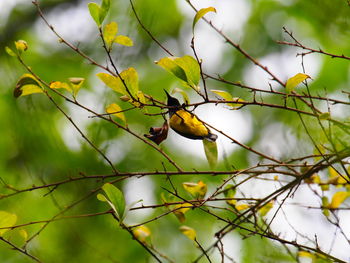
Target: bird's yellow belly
187,123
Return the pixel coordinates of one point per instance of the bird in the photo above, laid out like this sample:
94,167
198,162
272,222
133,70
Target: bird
186,123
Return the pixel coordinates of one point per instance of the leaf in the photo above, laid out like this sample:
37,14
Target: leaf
201,13
124,40
211,152
115,109
158,134
189,232
106,4
241,207
10,52
21,45
324,116
266,208
116,197
60,85
130,78
197,190
230,192
185,68
325,203
95,11
180,210
142,233
227,96
26,85
183,93
109,33
306,254
102,198
337,199
295,81
6,220
76,84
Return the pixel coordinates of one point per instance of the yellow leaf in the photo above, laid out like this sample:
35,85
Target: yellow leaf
60,85
240,207
124,40
306,254
142,233
130,78
26,85
180,210
266,208
337,199
201,13
109,33
229,192
10,52
324,116
228,97
24,234
189,232
275,178
295,81
76,84
197,190
6,220
21,45
116,111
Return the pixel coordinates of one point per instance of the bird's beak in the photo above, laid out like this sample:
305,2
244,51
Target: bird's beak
168,95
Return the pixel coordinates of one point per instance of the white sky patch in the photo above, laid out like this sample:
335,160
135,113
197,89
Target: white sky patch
210,46
136,189
6,7
284,65
74,24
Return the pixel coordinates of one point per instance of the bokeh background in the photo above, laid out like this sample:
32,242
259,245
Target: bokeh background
38,145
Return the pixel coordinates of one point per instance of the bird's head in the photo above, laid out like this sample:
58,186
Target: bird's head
172,102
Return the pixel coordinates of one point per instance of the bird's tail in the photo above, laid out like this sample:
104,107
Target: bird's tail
211,137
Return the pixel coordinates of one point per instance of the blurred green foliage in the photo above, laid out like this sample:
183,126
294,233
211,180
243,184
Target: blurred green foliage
36,140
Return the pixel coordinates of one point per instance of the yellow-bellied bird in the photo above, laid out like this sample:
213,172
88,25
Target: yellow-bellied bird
186,123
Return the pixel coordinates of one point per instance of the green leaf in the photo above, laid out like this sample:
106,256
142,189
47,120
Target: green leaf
6,220
130,78
324,116
197,190
116,197
183,93
26,85
201,13
106,4
115,109
10,52
185,68
95,11
112,82
211,152
124,40
295,81
189,232
230,192
227,96
109,33
76,84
